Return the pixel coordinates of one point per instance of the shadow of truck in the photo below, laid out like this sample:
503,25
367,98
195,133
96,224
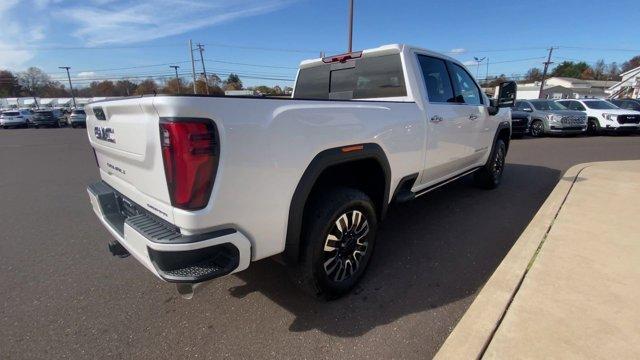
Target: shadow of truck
431,252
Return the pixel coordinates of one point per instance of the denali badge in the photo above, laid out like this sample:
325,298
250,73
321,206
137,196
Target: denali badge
105,134
99,113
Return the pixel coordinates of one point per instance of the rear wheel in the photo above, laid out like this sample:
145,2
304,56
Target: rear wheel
537,128
339,237
490,175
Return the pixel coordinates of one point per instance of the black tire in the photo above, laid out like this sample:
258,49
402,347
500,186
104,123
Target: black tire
537,128
593,128
328,251
517,136
73,125
490,175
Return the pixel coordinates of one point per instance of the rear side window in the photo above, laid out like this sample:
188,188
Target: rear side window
366,78
78,112
11,113
466,89
436,79
574,105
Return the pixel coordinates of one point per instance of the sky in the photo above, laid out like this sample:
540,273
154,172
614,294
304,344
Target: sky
264,40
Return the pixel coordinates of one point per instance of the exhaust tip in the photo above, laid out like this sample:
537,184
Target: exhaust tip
185,290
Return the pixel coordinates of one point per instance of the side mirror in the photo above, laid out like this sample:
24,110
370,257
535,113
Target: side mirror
507,94
506,97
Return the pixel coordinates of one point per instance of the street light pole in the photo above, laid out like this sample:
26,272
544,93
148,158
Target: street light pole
193,66
478,60
73,97
350,26
175,67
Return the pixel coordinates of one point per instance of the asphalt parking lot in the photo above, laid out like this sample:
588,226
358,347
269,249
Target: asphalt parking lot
64,296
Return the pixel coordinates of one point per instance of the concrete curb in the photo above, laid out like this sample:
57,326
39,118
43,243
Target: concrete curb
473,333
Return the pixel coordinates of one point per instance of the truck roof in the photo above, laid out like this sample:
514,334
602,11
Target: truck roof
379,51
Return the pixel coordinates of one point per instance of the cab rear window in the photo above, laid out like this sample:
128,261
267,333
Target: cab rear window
365,78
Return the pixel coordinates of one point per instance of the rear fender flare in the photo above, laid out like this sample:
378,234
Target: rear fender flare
321,162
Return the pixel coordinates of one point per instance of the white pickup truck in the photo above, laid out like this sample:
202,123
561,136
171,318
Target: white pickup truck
197,187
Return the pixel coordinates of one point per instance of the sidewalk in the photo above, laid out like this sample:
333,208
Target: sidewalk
570,286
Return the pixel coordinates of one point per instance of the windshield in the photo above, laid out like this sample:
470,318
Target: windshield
600,105
547,105
44,113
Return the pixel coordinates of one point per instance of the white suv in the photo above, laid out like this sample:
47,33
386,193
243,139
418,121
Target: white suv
605,116
16,118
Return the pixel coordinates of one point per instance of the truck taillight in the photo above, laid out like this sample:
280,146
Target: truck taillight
190,153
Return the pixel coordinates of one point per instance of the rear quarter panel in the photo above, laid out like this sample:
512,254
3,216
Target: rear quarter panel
267,144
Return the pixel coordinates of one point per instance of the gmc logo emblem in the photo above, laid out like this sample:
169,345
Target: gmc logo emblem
105,134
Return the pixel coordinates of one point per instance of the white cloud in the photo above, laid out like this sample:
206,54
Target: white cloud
86,74
120,22
25,24
14,39
470,63
458,51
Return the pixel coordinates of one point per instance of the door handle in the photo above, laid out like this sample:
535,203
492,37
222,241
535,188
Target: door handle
436,119
473,117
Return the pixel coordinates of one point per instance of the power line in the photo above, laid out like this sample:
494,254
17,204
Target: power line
255,65
597,48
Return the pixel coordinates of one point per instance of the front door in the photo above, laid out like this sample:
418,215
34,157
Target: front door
449,128
470,99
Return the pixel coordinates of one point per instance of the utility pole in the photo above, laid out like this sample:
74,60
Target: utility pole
73,97
350,26
204,71
175,67
193,66
544,72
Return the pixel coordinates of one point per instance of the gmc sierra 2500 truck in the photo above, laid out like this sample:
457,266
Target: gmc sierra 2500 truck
197,187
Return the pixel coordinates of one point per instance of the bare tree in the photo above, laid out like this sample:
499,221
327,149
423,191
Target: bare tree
33,80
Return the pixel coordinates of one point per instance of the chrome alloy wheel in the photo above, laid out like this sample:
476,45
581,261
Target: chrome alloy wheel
346,245
537,128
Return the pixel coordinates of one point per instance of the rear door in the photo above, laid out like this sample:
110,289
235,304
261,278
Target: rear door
125,135
448,124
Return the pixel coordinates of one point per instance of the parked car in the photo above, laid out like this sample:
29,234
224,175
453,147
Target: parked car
549,117
629,104
362,130
520,121
77,118
47,118
15,118
605,116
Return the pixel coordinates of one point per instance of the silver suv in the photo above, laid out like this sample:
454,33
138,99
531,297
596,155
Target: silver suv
550,117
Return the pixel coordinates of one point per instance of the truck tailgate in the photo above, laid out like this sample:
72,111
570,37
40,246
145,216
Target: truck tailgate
125,137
